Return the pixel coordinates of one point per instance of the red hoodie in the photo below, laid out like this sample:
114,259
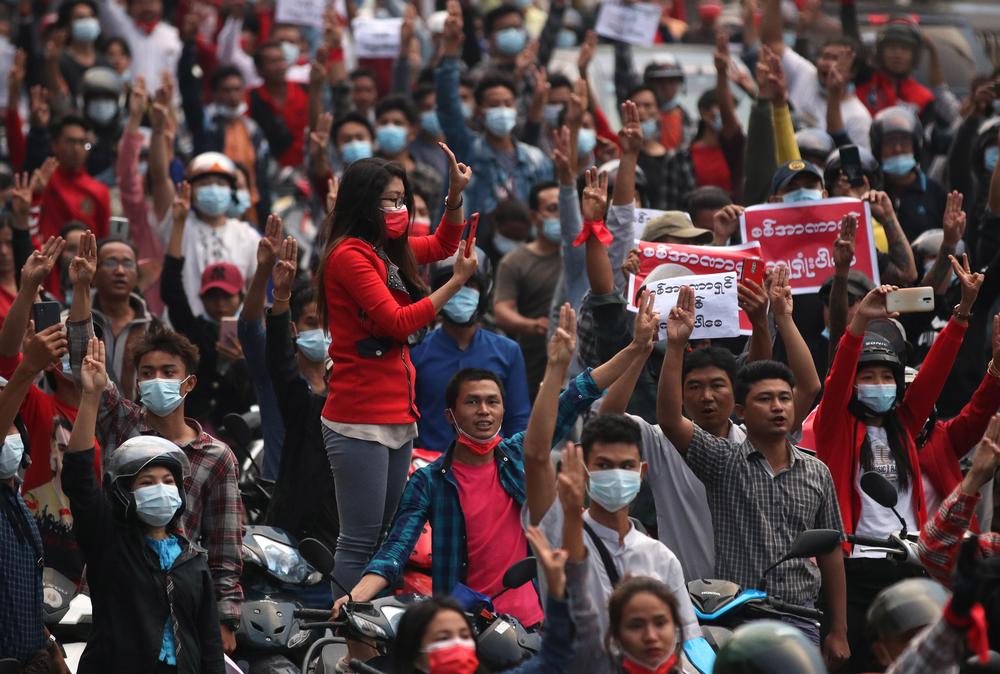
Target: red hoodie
840,434
881,92
373,382
74,196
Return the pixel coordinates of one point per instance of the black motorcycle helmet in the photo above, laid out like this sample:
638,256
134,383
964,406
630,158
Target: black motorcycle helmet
896,119
769,647
900,31
869,167
815,145
903,607
130,458
441,271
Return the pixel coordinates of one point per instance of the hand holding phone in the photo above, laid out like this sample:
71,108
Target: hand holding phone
470,242
227,329
753,270
45,315
910,300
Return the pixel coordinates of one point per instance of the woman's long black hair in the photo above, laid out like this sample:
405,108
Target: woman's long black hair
895,435
410,633
358,213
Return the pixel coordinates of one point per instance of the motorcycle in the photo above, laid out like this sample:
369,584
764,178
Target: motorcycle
67,614
501,640
900,546
722,605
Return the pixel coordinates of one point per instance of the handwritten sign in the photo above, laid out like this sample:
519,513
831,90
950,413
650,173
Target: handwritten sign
376,38
802,234
715,304
300,12
634,23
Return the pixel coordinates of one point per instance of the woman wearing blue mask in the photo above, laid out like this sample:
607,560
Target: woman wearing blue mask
877,434
154,601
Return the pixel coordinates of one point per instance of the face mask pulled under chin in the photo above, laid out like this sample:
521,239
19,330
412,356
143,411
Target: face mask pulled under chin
478,447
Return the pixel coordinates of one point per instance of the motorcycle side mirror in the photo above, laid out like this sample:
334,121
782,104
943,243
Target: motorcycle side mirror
317,554
879,489
809,543
520,573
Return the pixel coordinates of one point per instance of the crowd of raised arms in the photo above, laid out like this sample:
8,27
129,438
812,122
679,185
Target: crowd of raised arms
343,336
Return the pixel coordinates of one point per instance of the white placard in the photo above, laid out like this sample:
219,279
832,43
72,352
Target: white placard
376,38
717,312
300,12
633,23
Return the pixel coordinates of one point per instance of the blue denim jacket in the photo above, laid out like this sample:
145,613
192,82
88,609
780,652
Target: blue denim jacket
490,181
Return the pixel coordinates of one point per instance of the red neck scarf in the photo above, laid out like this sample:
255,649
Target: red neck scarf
633,667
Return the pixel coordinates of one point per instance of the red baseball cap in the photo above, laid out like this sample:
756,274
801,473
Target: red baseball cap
222,275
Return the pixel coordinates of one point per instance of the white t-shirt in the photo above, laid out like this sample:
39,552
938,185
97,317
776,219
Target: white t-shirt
808,98
683,519
877,521
639,555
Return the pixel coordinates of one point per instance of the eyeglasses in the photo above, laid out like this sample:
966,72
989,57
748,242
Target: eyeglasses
112,263
392,202
78,142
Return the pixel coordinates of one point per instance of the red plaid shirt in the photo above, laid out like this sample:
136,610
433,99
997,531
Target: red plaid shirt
939,541
213,514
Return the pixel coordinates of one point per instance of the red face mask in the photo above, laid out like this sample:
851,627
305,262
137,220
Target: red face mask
478,447
396,221
633,667
454,656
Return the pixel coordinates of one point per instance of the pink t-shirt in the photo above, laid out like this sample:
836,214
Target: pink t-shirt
494,539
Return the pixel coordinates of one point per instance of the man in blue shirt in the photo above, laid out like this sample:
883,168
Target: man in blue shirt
461,343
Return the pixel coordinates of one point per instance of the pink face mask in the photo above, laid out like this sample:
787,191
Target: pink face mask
454,656
396,221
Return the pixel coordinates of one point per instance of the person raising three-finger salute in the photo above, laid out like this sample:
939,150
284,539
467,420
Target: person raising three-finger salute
372,299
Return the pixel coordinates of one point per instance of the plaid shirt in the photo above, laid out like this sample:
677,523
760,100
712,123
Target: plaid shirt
432,494
21,629
757,515
936,650
940,538
214,511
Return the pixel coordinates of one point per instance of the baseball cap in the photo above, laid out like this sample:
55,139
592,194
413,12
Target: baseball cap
676,224
858,285
222,275
790,169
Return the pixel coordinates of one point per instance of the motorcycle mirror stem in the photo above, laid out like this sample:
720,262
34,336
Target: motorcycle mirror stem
320,557
879,489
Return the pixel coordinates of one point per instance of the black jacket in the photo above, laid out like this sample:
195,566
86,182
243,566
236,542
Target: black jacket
129,590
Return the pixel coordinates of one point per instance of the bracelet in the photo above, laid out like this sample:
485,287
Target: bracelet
992,370
964,317
283,299
461,200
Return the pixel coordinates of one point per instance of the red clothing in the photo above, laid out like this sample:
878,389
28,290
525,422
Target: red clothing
6,299
710,167
16,146
373,382
672,129
294,112
838,444
74,196
881,92
492,549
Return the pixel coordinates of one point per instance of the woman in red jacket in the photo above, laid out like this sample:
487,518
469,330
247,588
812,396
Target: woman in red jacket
372,299
878,434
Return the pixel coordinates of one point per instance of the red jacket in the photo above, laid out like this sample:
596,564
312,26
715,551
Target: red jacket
373,383
839,434
881,92
74,196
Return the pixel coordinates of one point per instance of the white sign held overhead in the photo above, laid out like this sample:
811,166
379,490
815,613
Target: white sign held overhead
376,38
717,312
634,23
300,12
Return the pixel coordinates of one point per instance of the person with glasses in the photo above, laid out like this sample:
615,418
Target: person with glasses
72,193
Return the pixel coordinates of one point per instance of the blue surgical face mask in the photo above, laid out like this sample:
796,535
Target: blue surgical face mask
566,38
313,344
156,504
462,306
802,194
10,456
614,489
511,41
899,165
86,29
391,139
650,128
290,51
466,111
551,230
213,200
586,141
430,123
551,114
716,122
161,396
504,244
355,150
240,205
990,157
877,397
500,121
102,111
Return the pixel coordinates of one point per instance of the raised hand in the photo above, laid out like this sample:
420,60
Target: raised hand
458,176
319,138
561,154
465,265
20,200
971,282
631,265
332,188
726,221
586,53
38,265
578,102
680,320
722,59
284,271
843,246
872,306
881,205
562,344
84,266
138,102
779,292
230,348
42,175
182,203
270,243
647,322
553,562
985,459
93,374
953,222
630,135
595,195
44,348
454,30
572,480
40,113
753,301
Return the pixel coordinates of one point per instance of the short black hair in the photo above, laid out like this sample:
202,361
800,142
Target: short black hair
498,13
759,370
66,8
355,117
639,89
72,226
537,189
159,338
358,73
491,80
707,100
422,91
101,243
302,295
707,197
225,72
65,121
261,48
400,103
511,209
118,41
557,80
469,374
609,428
712,356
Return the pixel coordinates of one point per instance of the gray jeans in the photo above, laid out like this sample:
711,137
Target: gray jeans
369,480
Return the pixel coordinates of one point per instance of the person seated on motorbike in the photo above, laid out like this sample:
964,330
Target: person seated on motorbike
898,50
767,647
436,637
899,613
153,596
867,379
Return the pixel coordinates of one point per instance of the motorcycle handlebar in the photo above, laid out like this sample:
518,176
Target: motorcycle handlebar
311,614
329,624
873,542
796,610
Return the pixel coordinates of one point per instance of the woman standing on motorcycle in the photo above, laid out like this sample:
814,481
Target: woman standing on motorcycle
154,602
372,299
867,379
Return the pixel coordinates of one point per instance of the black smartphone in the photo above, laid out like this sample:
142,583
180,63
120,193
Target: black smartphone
118,228
850,165
45,314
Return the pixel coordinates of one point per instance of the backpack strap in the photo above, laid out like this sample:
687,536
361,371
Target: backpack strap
605,555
